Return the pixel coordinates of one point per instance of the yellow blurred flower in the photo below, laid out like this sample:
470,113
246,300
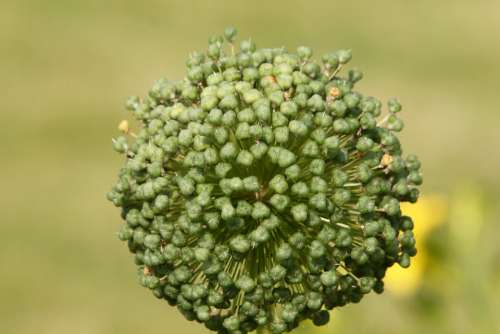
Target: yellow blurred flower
428,213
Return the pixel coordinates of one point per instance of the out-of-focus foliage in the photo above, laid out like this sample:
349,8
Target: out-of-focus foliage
66,66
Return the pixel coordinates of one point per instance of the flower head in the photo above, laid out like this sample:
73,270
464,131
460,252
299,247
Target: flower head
263,189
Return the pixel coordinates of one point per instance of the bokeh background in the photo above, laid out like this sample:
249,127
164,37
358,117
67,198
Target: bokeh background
67,66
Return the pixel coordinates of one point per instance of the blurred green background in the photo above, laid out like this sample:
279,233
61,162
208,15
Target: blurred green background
66,67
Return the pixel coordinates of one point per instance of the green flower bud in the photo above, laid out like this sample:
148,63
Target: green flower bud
222,168
278,184
120,144
304,52
339,108
243,208
279,119
344,56
230,34
279,202
231,323
401,188
228,151
243,131
394,105
278,327
390,206
258,150
251,184
314,300
321,318
311,69
319,202
298,128
260,234
281,134
286,158
284,252
341,126
355,75
412,163
195,74
227,211
289,313
245,158
317,249
247,46
344,239
317,184
341,197
245,283
240,244
126,233
311,149
406,223
317,167
404,260
251,74
252,95
152,241
300,189
330,60
299,212
260,211
277,273
229,118
289,108
415,177
365,204
394,123
316,103
364,144
186,185
328,278
359,255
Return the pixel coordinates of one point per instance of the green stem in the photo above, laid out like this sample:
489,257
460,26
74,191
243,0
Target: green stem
262,330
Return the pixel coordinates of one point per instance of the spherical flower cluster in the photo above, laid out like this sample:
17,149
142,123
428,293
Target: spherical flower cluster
263,189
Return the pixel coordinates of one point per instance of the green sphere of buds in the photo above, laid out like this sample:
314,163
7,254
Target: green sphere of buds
263,189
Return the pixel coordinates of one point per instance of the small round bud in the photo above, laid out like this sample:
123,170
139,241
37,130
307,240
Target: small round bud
245,283
330,60
279,202
284,252
328,278
240,244
298,128
355,75
344,56
321,318
260,211
120,144
230,34
231,323
394,105
304,52
299,212
245,158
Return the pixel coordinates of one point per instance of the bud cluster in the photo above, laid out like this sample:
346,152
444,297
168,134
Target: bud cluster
263,189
